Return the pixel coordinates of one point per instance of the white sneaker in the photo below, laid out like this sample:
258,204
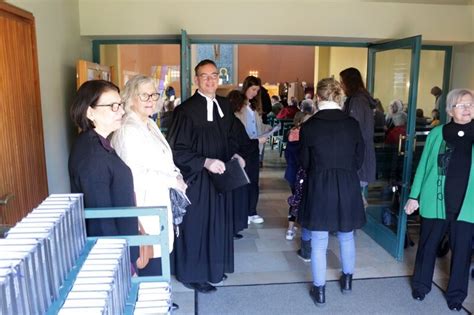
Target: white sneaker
255,219
290,234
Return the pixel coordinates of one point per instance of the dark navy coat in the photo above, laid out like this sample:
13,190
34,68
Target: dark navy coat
332,151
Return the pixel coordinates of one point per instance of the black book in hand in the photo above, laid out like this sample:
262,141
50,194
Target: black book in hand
233,177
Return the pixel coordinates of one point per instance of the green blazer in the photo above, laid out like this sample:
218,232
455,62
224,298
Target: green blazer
428,185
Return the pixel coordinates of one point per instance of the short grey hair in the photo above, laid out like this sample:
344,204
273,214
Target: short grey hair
399,119
396,106
307,106
131,89
454,96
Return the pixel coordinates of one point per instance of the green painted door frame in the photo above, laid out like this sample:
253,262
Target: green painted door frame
396,245
185,66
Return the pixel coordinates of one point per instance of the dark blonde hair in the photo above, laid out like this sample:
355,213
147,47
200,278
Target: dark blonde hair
329,89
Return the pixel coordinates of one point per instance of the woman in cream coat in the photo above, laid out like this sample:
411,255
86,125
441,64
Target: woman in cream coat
145,150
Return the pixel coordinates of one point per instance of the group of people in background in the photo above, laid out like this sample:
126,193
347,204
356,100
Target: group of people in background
121,159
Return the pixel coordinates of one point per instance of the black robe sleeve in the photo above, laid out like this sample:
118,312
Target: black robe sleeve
181,137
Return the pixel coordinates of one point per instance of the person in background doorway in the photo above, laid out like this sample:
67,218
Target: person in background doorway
434,118
436,92
399,121
265,102
360,105
167,115
249,115
276,105
394,108
95,170
331,198
420,118
443,190
379,116
289,111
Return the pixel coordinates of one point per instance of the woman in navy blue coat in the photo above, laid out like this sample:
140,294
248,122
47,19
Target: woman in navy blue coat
332,151
94,168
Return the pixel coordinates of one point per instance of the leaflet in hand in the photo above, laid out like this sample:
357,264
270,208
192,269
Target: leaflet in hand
269,133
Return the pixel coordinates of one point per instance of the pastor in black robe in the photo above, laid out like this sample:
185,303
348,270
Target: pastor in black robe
204,249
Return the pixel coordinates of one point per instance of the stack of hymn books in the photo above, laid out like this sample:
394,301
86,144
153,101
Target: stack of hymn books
38,253
104,281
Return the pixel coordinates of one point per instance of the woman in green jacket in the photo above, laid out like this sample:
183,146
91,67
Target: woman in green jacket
443,189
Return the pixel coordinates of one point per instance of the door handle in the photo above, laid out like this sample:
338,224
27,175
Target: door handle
5,200
400,140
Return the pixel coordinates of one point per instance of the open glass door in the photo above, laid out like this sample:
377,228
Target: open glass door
392,73
185,66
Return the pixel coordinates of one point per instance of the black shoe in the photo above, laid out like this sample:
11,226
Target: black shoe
346,283
203,287
417,295
174,307
318,295
224,277
455,306
238,236
305,251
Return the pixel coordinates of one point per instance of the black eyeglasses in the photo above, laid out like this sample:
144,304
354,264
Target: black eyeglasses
145,97
114,106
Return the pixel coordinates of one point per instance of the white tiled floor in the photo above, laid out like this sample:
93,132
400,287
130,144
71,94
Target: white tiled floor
265,256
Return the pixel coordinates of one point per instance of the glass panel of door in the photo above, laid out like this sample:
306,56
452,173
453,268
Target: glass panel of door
393,79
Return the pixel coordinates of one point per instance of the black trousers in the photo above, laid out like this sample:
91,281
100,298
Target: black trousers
460,241
253,171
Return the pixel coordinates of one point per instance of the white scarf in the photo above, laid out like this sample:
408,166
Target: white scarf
210,105
328,105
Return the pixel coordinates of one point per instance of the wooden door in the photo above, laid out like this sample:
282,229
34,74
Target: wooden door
22,159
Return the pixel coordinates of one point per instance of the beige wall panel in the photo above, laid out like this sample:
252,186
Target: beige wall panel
349,19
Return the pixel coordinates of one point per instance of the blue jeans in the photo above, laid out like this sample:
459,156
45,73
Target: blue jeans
305,234
319,245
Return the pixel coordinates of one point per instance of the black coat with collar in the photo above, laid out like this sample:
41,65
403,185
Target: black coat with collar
332,151
96,171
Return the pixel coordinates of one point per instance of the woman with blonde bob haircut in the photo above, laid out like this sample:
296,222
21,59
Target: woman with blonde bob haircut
145,150
443,189
332,151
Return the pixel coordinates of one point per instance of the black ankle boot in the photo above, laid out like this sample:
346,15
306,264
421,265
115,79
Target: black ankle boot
318,294
346,283
305,251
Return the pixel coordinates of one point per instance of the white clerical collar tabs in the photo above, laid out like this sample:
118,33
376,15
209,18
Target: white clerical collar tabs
210,107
